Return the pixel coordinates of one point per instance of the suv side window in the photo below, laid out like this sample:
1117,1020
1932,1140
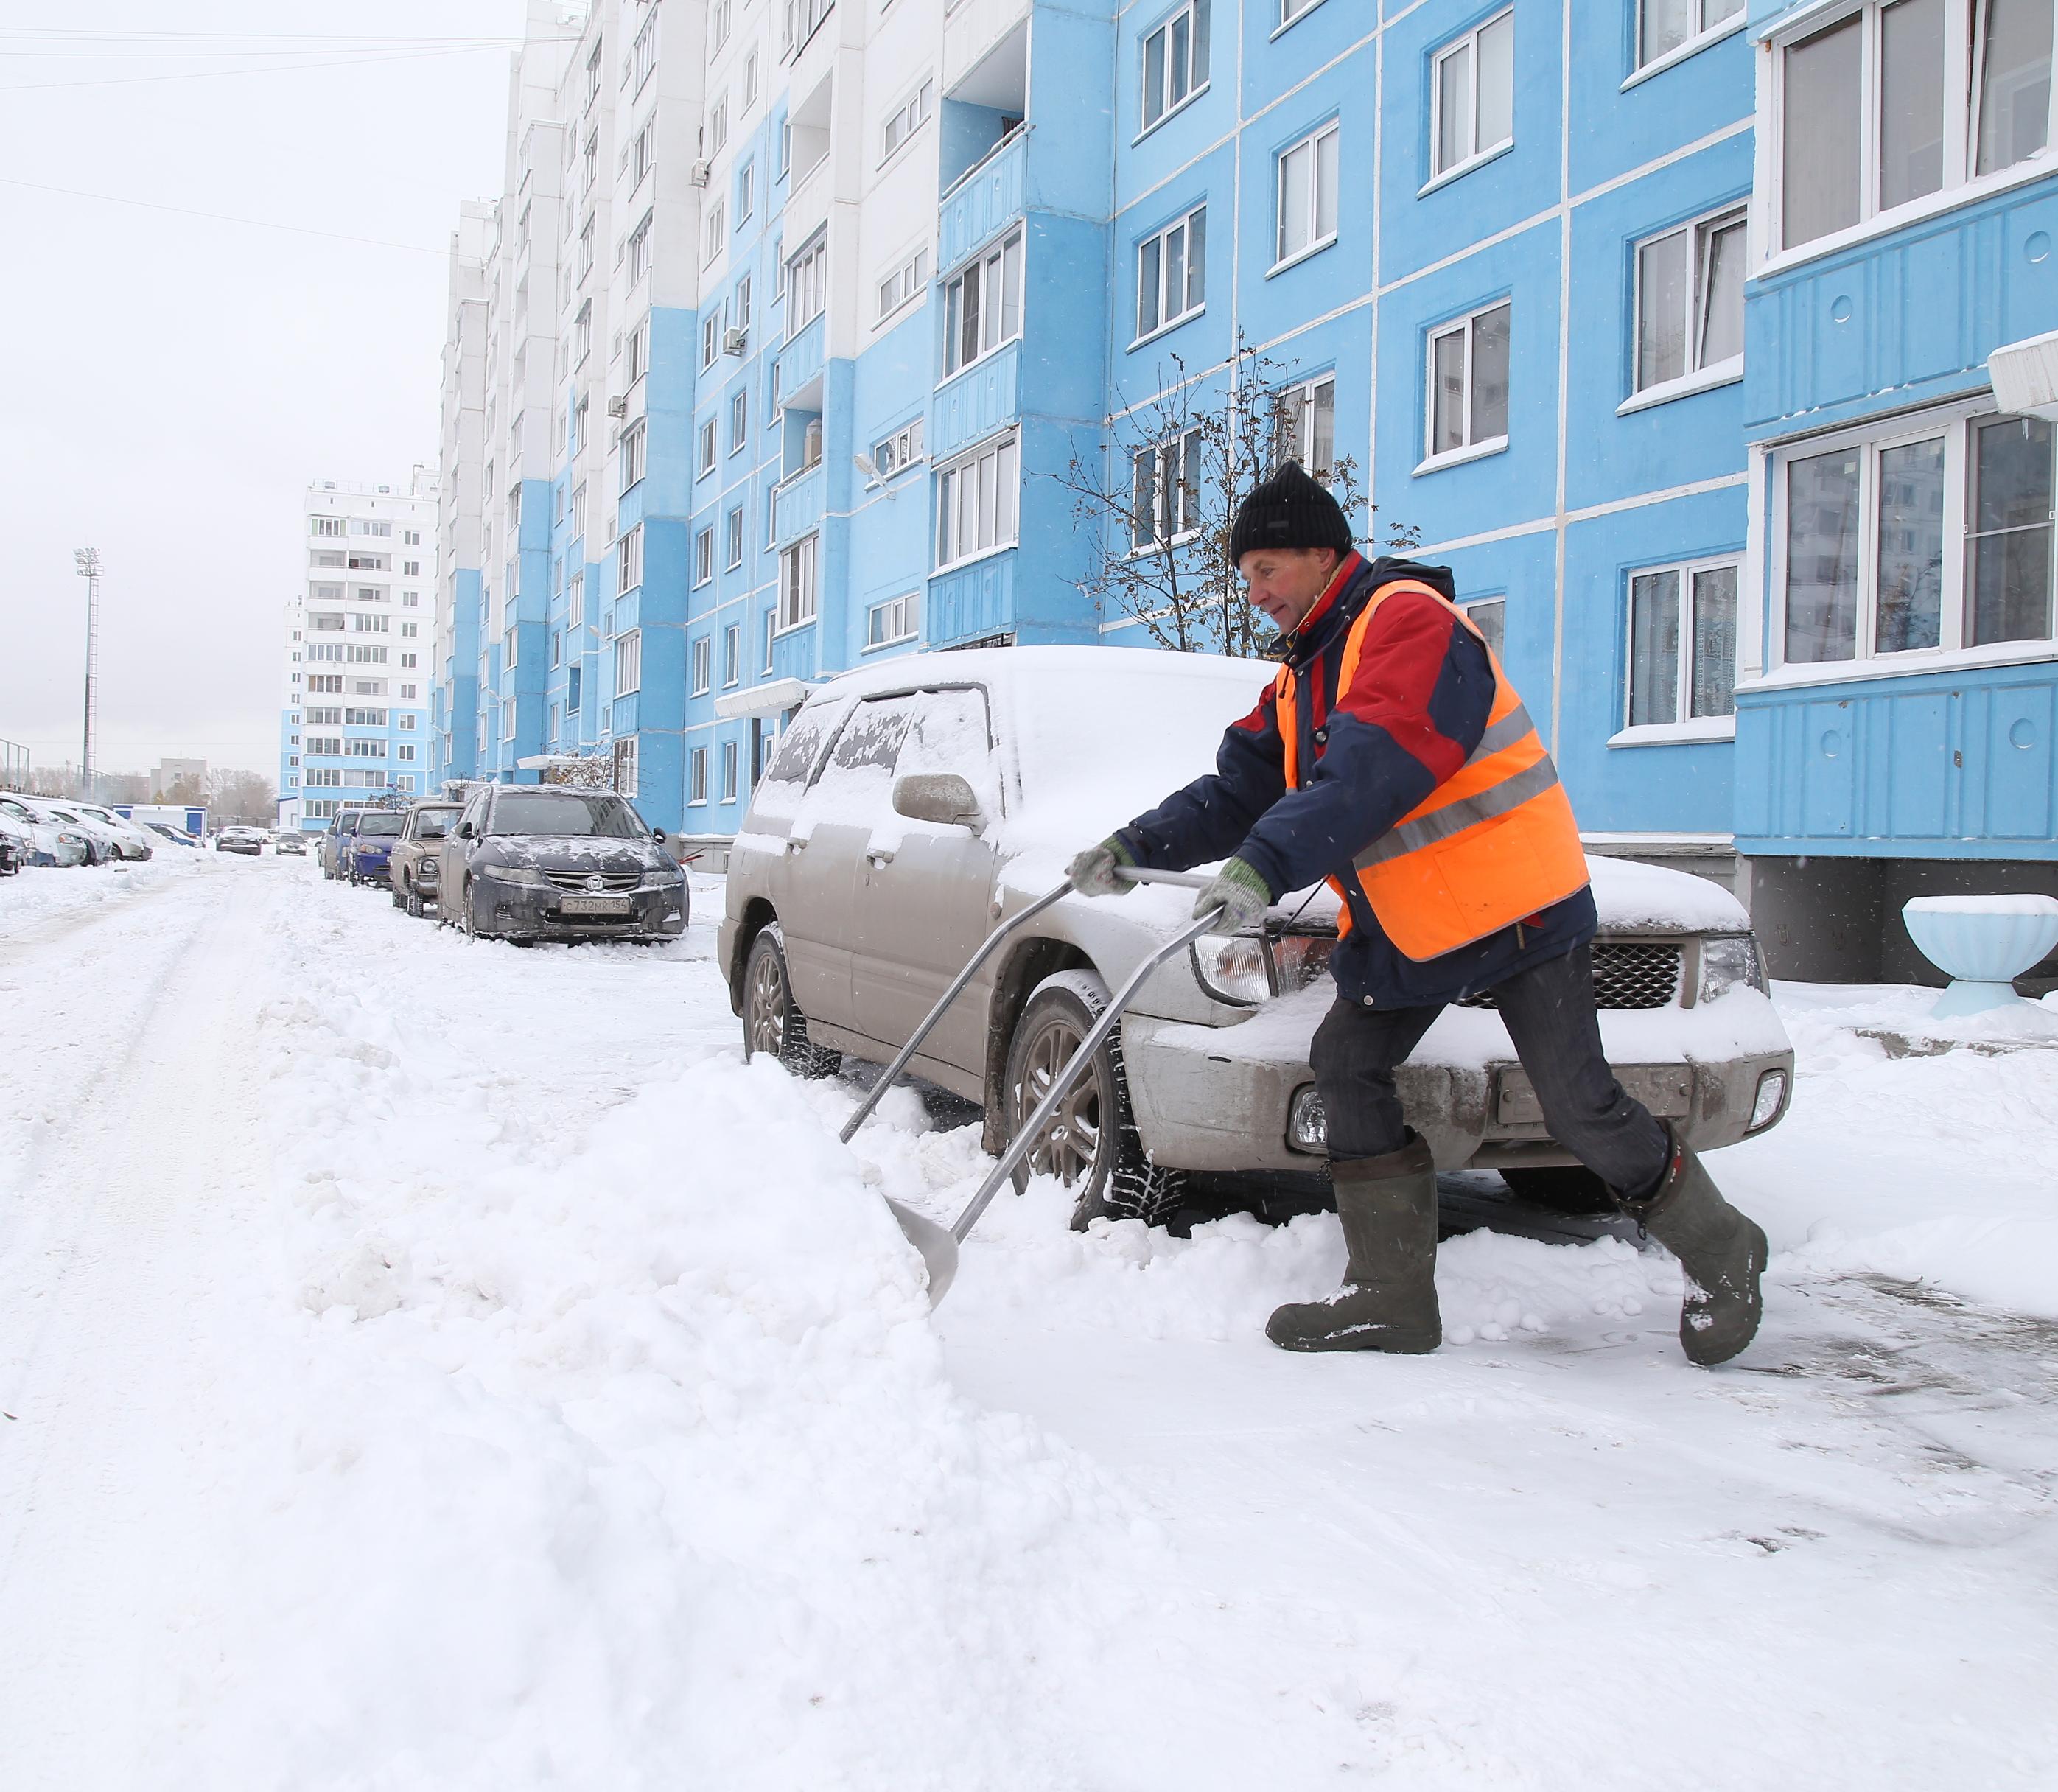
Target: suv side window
798,760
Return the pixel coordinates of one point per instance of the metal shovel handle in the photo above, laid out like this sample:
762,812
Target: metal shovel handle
1075,1067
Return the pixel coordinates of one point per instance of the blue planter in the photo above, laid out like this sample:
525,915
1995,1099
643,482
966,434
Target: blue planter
1983,943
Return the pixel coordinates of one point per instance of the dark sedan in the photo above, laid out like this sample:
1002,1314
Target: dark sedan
529,862
365,852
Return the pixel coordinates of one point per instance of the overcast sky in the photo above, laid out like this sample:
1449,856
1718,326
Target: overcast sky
171,383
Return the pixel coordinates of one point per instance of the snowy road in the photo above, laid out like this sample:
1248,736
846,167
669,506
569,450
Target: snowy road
433,1365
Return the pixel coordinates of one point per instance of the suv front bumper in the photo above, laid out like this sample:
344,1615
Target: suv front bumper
1221,1098
531,911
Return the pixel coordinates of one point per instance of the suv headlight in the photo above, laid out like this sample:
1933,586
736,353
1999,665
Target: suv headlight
663,877
512,874
1728,959
1250,968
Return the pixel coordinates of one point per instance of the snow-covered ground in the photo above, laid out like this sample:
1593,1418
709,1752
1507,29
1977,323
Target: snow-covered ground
435,1365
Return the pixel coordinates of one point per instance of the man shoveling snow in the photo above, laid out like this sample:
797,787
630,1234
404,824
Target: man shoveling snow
1392,756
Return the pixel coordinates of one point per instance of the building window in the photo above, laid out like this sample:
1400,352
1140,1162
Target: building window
1468,384
1883,556
1308,197
708,447
906,119
632,455
710,337
807,286
1165,492
1291,9
1171,274
639,249
1664,26
732,539
642,154
579,415
1305,427
750,81
1175,62
702,654
572,682
897,619
638,352
983,305
796,584
1869,120
732,651
630,551
739,419
1489,616
1682,626
720,17
643,57
976,503
717,127
1690,302
575,601
716,234
897,453
628,663
746,194
703,556
904,283
586,250
1472,97
771,635
741,306
729,771
697,776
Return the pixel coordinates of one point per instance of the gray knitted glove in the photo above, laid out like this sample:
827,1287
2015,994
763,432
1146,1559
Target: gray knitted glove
1238,895
1093,872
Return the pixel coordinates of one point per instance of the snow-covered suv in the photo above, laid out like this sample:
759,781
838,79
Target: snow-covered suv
856,891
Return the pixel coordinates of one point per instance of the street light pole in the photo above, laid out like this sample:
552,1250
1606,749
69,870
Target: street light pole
88,561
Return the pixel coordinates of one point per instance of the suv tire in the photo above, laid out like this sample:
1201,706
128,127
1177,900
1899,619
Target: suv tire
773,1022
1101,1155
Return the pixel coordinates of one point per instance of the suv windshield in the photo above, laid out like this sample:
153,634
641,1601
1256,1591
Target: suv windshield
525,812
433,824
380,824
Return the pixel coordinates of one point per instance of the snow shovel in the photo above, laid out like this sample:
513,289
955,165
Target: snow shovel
939,1245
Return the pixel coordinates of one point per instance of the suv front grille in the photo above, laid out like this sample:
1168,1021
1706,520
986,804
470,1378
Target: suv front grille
611,880
1627,974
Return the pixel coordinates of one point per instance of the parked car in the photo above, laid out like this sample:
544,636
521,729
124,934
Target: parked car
339,830
415,862
249,841
50,843
101,846
911,804
177,836
363,854
16,849
291,842
129,839
530,862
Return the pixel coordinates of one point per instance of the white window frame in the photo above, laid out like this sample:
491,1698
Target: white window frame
628,663
1298,406
1331,135
1965,35
994,466
639,250
729,771
896,620
710,448
1472,448
703,555
1003,261
892,454
907,280
1697,376
1291,11
1475,152
731,653
1954,424
1710,30
1681,726
899,128
739,420
697,795
629,553
1189,82
703,667
1193,297
805,284
1169,470
799,575
711,338
732,535
717,236
633,440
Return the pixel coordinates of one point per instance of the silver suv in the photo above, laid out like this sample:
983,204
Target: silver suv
911,804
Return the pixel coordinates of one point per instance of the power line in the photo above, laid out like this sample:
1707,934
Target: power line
222,218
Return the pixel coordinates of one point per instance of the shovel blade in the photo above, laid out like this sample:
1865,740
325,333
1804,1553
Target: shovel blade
938,1249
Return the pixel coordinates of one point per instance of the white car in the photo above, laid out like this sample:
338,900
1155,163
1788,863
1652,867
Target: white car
102,847
133,843
50,843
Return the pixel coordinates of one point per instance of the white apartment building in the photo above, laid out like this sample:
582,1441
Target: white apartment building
354,725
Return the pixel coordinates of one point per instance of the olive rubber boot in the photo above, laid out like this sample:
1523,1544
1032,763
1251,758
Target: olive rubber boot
1389,1298
1721,1251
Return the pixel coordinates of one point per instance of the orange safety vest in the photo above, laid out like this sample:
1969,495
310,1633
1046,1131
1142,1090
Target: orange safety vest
1492,844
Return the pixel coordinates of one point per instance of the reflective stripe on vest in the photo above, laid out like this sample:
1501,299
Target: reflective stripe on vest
1443,877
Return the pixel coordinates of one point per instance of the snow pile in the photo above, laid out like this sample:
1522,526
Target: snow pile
630,1458
39,893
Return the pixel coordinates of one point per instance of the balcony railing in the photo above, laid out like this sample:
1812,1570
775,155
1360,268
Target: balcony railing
986,198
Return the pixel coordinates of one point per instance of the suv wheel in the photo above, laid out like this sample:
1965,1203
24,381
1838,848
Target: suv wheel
399,896
1568,1189
773,1023
1092,1145
467,922
411,900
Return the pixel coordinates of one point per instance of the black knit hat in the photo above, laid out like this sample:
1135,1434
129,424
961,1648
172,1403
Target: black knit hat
1288,509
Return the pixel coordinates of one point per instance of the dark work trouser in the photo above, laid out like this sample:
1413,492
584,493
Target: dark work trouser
1548,1011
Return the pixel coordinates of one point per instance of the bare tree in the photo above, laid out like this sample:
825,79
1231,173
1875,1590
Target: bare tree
584,771
1159,511
242,797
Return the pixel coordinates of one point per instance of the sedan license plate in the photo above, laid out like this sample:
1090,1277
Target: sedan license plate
599,905
1667,1089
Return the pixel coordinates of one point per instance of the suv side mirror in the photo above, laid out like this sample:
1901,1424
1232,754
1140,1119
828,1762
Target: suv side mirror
658,834
941,796
464,830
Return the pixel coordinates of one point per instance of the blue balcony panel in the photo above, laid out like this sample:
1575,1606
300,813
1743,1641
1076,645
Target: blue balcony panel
977,402
1938,766
972,601
797,505
983,203
625,715
795,653
801,360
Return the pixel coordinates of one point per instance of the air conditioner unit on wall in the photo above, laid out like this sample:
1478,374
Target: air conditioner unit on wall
2025,376
699,175
618,407
732,342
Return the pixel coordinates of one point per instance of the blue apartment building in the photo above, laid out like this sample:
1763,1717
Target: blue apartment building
1667,326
